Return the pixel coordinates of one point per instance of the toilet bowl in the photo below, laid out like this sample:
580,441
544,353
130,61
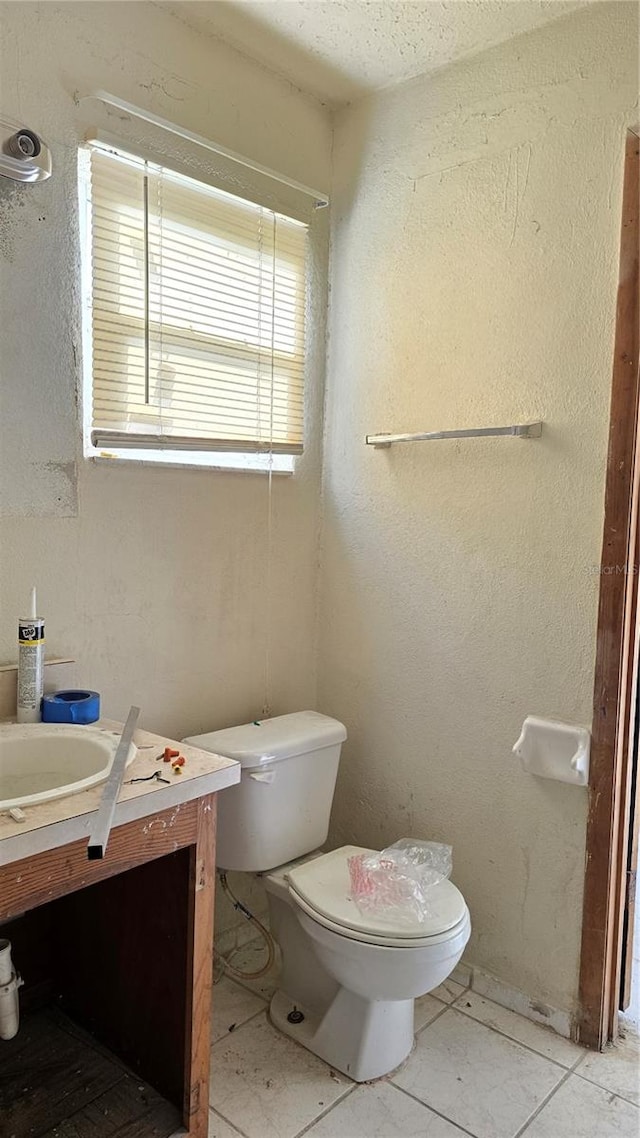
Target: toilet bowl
349,980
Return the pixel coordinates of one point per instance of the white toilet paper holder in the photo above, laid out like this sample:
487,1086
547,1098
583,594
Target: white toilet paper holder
550,749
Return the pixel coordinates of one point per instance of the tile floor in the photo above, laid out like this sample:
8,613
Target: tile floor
476,1070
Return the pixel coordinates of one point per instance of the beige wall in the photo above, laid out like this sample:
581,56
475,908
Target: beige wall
153,579
475,232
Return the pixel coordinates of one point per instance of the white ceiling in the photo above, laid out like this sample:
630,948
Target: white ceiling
338,50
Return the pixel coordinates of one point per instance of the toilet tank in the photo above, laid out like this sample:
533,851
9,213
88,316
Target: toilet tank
280,808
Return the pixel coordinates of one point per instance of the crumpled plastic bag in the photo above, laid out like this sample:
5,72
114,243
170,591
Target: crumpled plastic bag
397,882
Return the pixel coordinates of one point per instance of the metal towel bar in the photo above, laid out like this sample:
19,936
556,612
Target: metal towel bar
521,431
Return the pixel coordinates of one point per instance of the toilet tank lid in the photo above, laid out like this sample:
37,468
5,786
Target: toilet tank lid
269,740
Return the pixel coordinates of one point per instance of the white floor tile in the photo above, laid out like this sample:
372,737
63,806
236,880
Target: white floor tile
250,958
382,1111
448,992
218,1128
581,1110
232,1006
541,1039
475,1077
617,1069
425,1009
267,1085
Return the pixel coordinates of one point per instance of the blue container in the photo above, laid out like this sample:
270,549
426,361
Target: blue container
71,707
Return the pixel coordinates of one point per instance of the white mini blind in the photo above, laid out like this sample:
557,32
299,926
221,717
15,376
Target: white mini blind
198,314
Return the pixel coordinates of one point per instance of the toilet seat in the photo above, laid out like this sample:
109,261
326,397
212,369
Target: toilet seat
321,888
384,941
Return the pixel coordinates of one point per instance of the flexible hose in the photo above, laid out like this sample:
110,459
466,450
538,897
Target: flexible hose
266,935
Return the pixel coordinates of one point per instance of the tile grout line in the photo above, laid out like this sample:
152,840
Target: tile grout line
432,1109
238,1027
291,1039
519,1042
567,1075
242,1133
567,1071
607,1090
436,1016
324,1113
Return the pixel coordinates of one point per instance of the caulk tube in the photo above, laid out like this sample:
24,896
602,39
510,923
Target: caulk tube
30,665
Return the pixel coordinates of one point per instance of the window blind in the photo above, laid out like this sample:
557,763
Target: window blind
198,314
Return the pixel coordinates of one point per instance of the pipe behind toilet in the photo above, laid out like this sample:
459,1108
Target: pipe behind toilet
9,984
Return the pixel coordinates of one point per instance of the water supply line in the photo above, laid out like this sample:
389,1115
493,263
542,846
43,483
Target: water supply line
264,932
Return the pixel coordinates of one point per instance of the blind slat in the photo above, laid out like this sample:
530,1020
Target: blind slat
198,316
124,333
109,438
127,273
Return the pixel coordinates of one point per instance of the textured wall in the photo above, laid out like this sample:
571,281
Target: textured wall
475,232
152,578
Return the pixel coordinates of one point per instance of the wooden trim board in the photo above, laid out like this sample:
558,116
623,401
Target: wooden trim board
45,876
200,971
604,868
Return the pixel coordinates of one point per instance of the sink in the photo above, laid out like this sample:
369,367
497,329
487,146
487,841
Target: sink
43,761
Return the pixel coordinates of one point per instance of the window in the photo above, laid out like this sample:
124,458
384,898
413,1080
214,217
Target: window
195,318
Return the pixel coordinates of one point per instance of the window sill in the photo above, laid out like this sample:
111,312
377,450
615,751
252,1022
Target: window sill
243,463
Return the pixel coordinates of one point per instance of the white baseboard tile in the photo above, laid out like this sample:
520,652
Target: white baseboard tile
516,1001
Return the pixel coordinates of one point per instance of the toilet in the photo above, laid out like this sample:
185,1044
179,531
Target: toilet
348,980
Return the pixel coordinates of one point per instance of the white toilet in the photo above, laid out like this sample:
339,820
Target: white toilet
348,980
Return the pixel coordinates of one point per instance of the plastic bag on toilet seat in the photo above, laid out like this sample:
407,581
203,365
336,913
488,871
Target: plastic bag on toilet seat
396,882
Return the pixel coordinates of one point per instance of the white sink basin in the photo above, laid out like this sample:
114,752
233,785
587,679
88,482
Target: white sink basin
43,761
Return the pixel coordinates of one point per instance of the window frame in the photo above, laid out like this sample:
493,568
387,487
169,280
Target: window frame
222,460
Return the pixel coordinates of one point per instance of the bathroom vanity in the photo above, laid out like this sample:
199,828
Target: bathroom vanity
115,954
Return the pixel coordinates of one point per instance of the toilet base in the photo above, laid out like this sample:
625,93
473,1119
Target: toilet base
363,1039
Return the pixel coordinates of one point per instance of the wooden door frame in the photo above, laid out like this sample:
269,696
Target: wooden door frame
615,670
